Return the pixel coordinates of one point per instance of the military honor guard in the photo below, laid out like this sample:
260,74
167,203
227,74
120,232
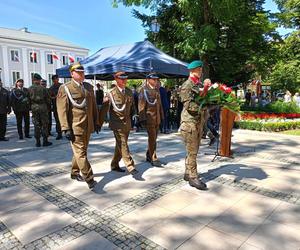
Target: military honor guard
77,112
39,103
53,91
192,122
20,104
5,109
151,114
120,110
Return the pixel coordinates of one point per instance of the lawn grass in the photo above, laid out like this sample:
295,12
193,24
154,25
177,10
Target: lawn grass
292,132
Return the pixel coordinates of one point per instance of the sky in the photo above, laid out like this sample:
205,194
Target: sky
92,24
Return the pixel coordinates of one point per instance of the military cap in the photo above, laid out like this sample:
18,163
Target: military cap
54,77
37,76
121,75
152,76
195,64
76,67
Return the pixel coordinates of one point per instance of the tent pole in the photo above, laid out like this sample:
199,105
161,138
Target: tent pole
95,85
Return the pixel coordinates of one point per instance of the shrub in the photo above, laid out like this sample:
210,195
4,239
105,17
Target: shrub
267,126
275,107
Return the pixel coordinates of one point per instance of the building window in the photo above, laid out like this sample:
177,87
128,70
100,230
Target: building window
33,56
50,79
49,59
14,55
78,59
65,60
15,76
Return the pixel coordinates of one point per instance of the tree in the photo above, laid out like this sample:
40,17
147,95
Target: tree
232,37
285,74
289,15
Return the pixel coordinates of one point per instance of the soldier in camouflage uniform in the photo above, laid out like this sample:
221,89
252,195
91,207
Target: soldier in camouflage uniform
19,99
191,126
53,90
40,101
4,111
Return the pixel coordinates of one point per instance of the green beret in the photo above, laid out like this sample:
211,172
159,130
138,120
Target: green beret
195,64
37,76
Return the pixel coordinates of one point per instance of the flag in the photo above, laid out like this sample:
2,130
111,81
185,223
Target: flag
33,55
16,58
55,56
71,58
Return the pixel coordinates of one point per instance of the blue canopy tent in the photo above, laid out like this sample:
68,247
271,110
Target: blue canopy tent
137,59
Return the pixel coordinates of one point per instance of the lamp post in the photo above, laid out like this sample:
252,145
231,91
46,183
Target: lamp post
155,27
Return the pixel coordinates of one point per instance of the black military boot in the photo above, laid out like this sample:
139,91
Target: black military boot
195,182
59,137
38,143
46,143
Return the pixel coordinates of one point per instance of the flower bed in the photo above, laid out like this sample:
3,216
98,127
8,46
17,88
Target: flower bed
253,116
268,125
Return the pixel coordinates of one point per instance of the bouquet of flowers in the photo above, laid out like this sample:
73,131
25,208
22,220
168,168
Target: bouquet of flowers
218,94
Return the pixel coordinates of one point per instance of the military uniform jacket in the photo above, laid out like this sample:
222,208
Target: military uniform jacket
4,101
125,103
71,117
39,98
53,91
19,99
150,107
191,111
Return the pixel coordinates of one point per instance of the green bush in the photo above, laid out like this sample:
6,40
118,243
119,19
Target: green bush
275,107
267,126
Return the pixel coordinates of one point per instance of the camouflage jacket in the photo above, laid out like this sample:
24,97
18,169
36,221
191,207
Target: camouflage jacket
39,98
19,99
191,111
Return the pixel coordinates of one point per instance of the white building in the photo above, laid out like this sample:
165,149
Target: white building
23,53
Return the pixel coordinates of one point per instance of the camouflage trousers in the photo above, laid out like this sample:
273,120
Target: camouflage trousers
40,122
191,134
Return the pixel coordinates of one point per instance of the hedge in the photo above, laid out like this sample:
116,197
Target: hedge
275,107
267,126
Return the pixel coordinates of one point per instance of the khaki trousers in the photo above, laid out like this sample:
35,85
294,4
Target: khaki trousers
80,162
191,134
122,150
152,137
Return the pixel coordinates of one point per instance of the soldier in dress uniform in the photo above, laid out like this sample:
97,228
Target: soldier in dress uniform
77,112
39,102
151,114
19,98
192,121
5,109
53,90
120,110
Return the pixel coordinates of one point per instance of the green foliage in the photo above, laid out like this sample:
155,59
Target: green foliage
275,107
285,74
231,36
267,126
283,107
289,15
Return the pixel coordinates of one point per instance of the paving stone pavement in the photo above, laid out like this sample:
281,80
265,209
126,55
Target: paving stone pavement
253,201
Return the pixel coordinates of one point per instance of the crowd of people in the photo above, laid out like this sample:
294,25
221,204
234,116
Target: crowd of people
79,111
